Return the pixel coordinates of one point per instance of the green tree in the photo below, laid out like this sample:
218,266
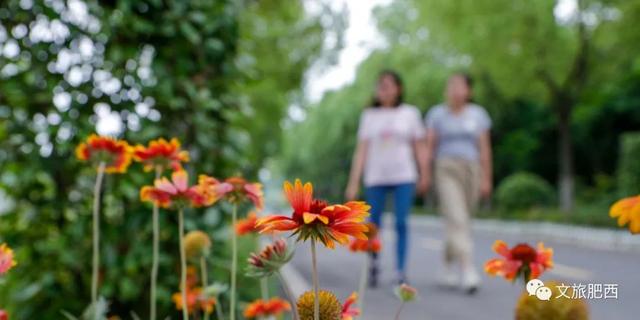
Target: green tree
523,49
277,45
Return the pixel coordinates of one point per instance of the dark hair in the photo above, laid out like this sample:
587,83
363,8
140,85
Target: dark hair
375,102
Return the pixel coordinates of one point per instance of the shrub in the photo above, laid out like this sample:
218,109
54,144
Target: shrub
629,166
524,191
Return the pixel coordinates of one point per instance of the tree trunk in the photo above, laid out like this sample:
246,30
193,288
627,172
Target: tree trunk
565,159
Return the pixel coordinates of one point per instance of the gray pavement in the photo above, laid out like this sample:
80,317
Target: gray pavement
575,263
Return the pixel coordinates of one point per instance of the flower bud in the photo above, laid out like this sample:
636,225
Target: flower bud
197,244
406,293
269,260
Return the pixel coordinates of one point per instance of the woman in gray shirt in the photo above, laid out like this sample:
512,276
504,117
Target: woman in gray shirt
458,141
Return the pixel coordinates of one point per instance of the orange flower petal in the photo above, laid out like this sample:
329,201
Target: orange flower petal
248,225
163,184
311,217
82,152
494,266
180,180
623,206
276,223
299,196
545,256
255,194
634,226
501,248
536,270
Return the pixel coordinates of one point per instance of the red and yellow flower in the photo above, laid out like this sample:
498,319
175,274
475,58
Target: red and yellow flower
115,154
348,311
239,189
196,301
371,245
521,260
161,153
247,225
212,189
627,210
176,193
6,259
270,308
316,219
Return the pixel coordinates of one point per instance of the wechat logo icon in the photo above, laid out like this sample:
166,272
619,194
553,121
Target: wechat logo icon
535,287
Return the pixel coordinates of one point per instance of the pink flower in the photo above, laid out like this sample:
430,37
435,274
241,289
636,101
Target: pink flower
6,259
348,312
238,189
177,193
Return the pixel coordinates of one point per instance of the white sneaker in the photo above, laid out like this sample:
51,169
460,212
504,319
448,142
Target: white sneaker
448,277
470,281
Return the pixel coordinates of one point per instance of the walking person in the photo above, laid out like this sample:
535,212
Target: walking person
391,154
458,141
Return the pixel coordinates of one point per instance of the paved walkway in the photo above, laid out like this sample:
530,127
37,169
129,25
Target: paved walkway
575,263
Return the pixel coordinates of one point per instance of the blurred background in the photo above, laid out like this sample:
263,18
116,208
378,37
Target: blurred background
273,90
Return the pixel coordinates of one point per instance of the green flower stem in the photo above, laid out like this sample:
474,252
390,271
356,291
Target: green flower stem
183,266
205,281
292,300
264,289
156,251
203,272
397,317
316,286
234,262
364,277
218,308
96,236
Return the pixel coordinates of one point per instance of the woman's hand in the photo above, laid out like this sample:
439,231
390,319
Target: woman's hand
485,163
357,166
424,183
352,191
486,188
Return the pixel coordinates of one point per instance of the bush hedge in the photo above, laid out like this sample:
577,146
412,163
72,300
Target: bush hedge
524,190
628,179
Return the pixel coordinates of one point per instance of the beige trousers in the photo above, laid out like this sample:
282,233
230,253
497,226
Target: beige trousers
458,190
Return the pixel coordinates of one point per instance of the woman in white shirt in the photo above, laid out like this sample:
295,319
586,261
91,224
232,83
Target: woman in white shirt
390,152
458,141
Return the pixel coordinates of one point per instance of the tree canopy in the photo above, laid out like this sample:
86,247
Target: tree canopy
543,76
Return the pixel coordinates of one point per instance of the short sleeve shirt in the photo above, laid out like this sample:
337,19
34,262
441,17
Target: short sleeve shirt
390,133
457,134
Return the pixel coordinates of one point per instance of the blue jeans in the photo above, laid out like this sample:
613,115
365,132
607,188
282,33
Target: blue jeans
403,196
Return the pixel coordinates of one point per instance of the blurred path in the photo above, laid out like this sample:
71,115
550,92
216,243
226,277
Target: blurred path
340,271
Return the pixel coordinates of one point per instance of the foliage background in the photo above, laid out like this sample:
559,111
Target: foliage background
218,75
509,48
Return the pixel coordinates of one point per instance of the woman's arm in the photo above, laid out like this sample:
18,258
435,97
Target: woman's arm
486,185
357,167
425,151
420,150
